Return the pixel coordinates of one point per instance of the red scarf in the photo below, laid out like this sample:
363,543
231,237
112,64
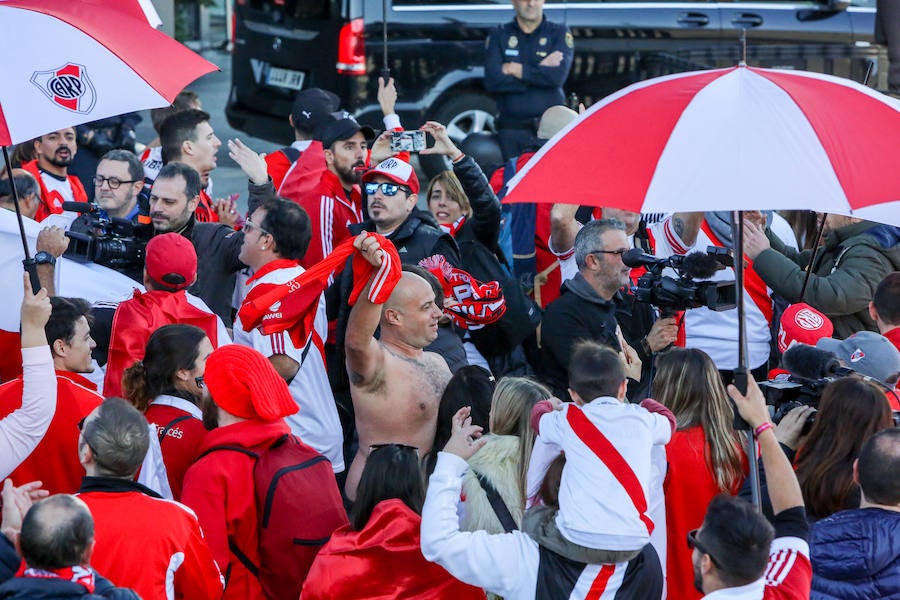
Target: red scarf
83,576
291,306
452,228
470,304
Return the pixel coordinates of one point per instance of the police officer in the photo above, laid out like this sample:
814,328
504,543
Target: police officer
528,59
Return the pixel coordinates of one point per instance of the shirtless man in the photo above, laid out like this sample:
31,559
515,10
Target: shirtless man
395,385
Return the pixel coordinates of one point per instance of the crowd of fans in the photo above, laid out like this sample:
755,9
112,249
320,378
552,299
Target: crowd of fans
339,394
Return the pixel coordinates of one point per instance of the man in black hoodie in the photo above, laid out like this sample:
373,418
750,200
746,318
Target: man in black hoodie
586,310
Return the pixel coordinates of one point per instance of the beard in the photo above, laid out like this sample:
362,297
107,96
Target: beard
350,175
58,161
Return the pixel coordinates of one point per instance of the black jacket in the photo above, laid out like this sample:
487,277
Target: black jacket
484,224
28,588
578,314
218,247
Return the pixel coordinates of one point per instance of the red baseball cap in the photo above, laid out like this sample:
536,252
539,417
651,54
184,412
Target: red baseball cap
396,170
802,324
171,261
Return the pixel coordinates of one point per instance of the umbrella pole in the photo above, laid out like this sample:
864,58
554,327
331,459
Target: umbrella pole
741,373
29,263
385,70
812,258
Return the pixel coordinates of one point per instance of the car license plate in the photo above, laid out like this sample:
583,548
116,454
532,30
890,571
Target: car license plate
285,78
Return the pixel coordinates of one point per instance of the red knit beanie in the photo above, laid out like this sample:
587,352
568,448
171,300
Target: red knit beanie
244,383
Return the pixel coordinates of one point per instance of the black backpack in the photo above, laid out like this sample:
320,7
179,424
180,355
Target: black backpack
522,315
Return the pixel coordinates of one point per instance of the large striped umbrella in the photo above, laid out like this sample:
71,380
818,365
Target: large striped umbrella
69,62
728,139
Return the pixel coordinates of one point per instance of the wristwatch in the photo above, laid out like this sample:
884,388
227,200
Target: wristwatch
44,258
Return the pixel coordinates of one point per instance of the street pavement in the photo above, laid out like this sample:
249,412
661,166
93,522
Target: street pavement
213,90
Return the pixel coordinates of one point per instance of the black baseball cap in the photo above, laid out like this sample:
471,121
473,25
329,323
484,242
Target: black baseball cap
342,126
312,106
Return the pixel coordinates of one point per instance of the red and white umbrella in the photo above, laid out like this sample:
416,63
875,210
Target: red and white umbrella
74,61
729,139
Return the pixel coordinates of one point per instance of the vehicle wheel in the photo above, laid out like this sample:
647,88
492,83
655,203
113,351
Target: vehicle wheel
463,114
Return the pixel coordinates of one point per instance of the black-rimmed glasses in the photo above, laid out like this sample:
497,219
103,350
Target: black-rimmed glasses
388,189
694,542
114,182
620,251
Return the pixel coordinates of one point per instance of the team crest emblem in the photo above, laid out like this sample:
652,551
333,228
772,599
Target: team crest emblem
68,87
857,355
513,41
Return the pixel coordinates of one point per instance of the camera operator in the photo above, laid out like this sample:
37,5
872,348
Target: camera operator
715,332
587,308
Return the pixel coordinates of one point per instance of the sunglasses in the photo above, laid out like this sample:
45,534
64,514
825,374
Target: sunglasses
693,542
376,447
388,189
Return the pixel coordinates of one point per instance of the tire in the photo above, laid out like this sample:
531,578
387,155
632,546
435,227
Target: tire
466,113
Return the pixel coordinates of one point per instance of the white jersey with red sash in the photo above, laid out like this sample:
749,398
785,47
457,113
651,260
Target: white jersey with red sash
716,332
605,484
317,422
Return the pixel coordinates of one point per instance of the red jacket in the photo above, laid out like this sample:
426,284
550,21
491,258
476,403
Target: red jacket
181,446
277,164
319,191
689,487
204,211
151,545
135,319
219,488
383,561
55,460
51,202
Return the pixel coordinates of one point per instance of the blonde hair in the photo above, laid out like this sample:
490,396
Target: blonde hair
688,383
453,188
511,407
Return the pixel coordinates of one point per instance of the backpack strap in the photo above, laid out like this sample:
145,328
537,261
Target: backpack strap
172,423
249,453
243,558
497,503
600,445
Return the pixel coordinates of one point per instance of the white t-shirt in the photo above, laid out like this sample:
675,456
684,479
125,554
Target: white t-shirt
317,423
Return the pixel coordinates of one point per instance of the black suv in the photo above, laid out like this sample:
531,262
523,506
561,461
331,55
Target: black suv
435,51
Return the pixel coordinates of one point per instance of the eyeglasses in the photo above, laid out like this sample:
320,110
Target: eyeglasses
114,182
620,251
376,447
250,226
693,542
388,189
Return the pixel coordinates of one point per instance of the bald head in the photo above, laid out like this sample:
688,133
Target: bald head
411,314
57,532
555,120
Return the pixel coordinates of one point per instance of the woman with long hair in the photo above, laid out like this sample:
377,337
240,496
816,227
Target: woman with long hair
705,456
167,386
378,554
851,410
501,466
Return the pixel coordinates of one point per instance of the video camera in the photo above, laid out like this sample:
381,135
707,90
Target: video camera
115,243
671,294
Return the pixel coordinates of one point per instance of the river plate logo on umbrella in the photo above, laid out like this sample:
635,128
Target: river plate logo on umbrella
68,87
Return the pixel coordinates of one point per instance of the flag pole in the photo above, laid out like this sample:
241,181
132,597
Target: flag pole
28,262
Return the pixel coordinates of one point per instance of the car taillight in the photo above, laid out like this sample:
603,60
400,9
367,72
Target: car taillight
352,49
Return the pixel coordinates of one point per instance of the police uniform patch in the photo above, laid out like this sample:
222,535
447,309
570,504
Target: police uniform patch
542,41
570,42
513,41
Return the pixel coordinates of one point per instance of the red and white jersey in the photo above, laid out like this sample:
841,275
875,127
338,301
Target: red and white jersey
317,422
788,575
152,160
716,332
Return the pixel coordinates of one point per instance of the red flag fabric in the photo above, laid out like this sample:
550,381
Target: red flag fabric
384,560
290,306
473,304
304,175
137,318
